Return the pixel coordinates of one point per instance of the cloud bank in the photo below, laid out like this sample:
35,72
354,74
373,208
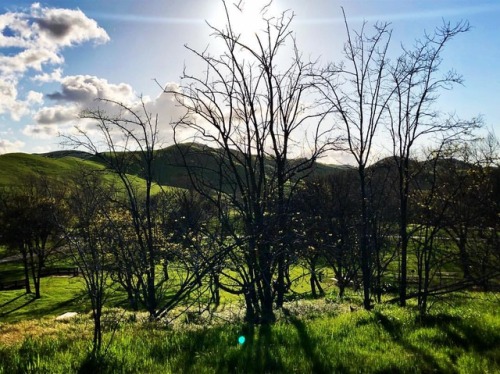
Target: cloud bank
32,44
32,40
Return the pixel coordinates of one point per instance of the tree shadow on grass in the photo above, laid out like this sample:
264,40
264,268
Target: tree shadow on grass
28,302
469,335
12,300
395,329
308,345
61,307
40,307
255,354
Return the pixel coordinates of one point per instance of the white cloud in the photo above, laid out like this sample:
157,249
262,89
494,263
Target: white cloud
40,34
32,40
66,27
56,115
33,58
42,149
55,76
77,93
7,146
34,97
83,90
9,102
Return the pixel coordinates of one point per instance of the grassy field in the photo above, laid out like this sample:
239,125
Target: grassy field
310,337
66,293
460,335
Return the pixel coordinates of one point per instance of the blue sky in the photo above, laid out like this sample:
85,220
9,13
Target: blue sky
56,57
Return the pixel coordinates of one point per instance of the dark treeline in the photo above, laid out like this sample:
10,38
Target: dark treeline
415,224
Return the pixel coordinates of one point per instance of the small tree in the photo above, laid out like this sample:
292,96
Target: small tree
28,213
325,227
355,89
472,216
13,228
417,85
90,238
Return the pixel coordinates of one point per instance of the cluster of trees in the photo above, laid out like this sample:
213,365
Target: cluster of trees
257,203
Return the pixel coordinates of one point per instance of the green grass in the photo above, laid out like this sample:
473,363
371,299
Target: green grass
459,338
58,295
65,293
16,166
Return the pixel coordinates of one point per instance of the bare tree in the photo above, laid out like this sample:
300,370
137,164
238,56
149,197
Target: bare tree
383,220
126,141
90,237
253,113
417,84
355,89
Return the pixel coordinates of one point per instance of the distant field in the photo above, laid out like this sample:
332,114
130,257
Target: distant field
66,293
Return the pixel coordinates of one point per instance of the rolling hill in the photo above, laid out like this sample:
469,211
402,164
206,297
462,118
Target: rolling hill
169,169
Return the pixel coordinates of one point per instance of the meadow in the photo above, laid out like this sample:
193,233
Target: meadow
461,334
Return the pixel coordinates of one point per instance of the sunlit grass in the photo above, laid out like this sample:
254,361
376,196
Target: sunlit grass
58,295
463,337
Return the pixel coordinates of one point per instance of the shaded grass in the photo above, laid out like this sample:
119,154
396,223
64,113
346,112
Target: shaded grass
459,338
11,271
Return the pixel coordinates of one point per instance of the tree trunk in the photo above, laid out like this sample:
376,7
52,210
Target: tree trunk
365,250
26,269
403,231
36,277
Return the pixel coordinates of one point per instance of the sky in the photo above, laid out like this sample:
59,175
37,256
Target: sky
58,56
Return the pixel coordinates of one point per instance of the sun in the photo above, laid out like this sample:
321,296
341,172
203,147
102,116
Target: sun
247,16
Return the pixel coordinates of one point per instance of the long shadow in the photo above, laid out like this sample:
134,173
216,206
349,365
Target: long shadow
48,309
263,351
11,301
308,345
19,307
395,330
255,355
56,306
464,334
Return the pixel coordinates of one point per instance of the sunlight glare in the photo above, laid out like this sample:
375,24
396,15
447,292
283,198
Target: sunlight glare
247,15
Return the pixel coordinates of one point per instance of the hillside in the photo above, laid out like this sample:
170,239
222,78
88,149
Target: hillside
168,167
15,168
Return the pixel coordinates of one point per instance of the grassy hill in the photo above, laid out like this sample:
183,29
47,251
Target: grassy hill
17,167
169,169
